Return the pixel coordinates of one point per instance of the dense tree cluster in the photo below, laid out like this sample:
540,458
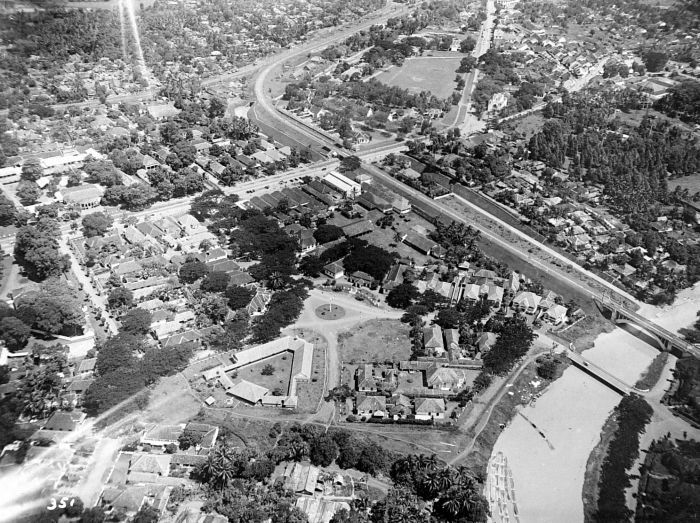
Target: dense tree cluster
667,486
513,342
96,224
455,493
36,249
284,309
54,308
682,101
632,415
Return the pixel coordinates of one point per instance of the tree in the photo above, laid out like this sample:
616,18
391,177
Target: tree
217,108
238,296
31,170
93,515
192,270
350,163
402,296
513,342
311,266
164,362
323,450
467,45
14,333
136,321
327,233
120,297
28,192
118,352
216,281
267,370
96,224
655,60
147,514
214,307
189,438
54,308
8,212
448,318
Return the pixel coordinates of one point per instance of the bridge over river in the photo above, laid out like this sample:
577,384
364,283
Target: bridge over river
665,340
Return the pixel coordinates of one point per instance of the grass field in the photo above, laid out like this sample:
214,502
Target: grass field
279,378
433,74
692,183
375,340
310,393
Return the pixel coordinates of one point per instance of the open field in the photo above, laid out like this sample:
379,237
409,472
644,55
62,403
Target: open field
375,340
282,364
433,74
527,125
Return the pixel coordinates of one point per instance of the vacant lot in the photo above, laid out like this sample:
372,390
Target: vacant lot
375,340
279,378
433,74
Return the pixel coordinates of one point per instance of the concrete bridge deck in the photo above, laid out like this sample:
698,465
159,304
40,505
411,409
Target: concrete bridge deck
598,373
668,340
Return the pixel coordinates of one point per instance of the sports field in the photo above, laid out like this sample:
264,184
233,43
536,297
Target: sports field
435,74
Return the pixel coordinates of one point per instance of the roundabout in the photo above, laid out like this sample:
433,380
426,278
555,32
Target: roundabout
330,312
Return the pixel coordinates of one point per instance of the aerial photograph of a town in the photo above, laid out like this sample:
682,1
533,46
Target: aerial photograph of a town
349,261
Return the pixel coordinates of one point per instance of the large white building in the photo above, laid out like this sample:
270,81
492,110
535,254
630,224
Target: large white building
345,185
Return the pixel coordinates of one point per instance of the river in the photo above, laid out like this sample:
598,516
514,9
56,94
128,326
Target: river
548,473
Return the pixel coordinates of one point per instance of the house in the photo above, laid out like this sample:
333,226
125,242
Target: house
65,421
129,499
374,406
258,305
85,196
443,378
394,277
361,279
334,270
430,408
155,464
162,435
358,228
307,242
526,301
364,378
419,243
301,478
208,433
432,339
401,205
452,342
493,294
556,314
248,392
150,163
86,367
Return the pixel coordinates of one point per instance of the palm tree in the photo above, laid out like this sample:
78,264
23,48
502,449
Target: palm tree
446,478
275,280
